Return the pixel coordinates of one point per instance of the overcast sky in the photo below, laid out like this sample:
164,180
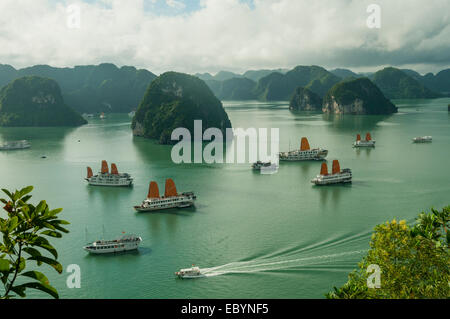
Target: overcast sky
211,35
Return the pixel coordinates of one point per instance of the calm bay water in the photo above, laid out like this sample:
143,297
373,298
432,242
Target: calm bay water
262,236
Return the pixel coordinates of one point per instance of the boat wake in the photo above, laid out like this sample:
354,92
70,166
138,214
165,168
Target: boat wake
277,264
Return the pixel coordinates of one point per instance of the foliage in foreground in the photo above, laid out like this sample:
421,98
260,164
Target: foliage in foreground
414,261
24,233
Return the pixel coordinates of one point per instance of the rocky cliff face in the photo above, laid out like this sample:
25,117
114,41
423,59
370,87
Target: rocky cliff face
305,100
359,96
35,101
175,100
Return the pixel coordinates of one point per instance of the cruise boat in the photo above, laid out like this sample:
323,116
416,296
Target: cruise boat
105,178
171,198
336,177
189,273
305,153
369,142
15,145
423,139
124,243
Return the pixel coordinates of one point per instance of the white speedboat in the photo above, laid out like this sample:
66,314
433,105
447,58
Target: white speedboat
102,116
105,178
368,142
124,243
336,177
423,139
189,273
305,153
15,145
171,198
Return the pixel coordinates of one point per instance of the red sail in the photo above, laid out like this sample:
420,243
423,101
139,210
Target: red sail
114,169
368,137
89,172
358,137
336,167
153,191
171,190
324,169
305,144
105,169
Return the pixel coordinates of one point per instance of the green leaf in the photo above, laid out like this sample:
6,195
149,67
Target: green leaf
7,193
36,275
32,251
19,290
26,190
41,286
13,223
51,262
51,233
4,264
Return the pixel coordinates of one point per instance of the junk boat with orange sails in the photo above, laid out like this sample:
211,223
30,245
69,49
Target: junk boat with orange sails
305,153
369,142
337,175
171,198
106,178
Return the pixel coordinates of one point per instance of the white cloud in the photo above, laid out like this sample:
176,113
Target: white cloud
227,34
175,4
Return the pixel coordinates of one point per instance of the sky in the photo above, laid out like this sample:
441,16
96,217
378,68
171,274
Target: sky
237,35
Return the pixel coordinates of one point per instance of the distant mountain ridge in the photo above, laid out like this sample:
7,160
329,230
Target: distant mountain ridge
91,88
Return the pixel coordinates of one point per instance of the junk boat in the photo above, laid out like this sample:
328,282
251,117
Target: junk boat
105,178
189,273
171,198
305,153
124,243
367,143
423,139
336,177
15,145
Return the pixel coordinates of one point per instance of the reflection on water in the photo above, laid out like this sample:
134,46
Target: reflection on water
363,150
332,193
353,123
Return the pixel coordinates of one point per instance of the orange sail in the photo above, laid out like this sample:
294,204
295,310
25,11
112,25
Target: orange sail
336,167
368,137
324,169
153,191
305,144
89,172
171,190
358,137
114,169
105,169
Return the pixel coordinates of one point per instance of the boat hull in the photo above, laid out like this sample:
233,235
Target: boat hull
141,209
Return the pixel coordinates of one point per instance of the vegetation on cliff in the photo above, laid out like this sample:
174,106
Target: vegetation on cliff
305,100
35,101
175,100
411,262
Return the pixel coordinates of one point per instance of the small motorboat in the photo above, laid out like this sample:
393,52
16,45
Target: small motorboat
423,139
189,273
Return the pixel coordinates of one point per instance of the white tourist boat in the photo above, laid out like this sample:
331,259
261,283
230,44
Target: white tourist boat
171,198
124,243
423,139
368,142
305,153
336,177
189,273
105,178
15,145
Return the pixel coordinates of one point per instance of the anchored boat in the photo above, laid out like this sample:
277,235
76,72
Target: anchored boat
305,153
105,178
189,273
15,145
336,177
171,198
369,142
124,243
423,139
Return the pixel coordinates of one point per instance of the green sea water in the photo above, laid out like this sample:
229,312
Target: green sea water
260,236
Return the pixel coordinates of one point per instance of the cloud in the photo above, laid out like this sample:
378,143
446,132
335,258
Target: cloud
227,34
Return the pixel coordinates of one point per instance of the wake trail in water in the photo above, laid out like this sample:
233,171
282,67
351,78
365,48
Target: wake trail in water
275,264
